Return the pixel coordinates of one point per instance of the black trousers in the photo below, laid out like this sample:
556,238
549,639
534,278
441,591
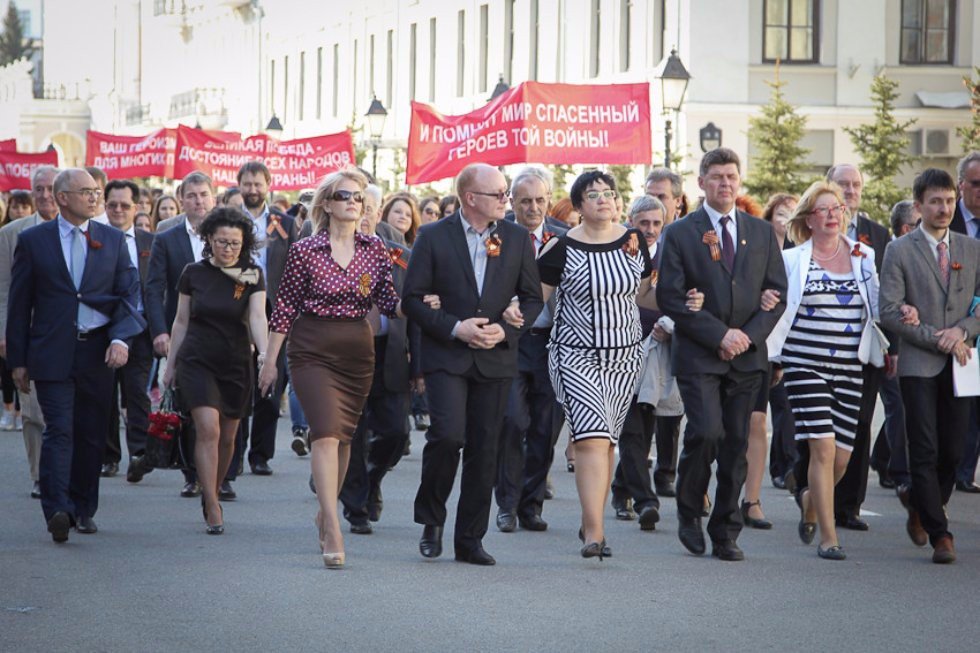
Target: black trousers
265,415
466,412
378,442
719,407
632,477
936,422
850,492
890,451
666,436
782,448
530,430
132,379
76,419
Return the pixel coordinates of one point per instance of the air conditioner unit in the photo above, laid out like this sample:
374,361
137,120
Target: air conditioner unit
936,142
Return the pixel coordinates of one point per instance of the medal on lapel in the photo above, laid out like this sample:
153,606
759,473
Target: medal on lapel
493,244
275,225
632,245
239,289
364,284
710,238
396,257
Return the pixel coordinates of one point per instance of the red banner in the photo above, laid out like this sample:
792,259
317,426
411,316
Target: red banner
122,157
294,165
16,168
8,145
543,123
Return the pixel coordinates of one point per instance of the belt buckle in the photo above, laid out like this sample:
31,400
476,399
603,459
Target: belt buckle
81,336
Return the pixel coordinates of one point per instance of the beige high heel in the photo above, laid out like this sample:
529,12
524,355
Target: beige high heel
334,560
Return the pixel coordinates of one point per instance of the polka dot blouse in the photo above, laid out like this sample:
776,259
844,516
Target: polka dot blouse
314,283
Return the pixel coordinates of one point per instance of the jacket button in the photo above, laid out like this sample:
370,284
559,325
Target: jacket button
78,296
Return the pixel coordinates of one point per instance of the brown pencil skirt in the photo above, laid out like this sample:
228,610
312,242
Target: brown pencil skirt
331,365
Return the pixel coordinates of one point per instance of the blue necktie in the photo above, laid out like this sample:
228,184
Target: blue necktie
85,313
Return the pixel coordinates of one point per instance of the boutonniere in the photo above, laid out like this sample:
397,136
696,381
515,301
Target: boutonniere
654,276
865,239
632,245
546,236
145,253
275,225
857,251
92,242
493,244
956,266
396,257
710,238
364,284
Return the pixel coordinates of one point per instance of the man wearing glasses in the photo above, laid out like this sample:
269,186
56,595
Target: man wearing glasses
475,261
70,318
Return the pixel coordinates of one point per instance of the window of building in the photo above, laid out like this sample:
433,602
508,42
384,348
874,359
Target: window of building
412,60
432,60
928,27
595,26
532,68
625,25
508,39
302,84
484,45
790,31
319,83
336,80
389,74
460,52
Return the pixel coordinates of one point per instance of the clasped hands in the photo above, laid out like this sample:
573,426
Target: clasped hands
477,332
735,341
950,341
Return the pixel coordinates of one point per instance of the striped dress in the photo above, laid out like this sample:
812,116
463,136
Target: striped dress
595,353
821,370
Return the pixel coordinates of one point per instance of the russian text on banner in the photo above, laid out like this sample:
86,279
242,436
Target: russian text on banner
534,122
16,168
123,157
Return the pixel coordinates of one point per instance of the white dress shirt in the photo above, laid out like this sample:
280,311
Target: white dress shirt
716,224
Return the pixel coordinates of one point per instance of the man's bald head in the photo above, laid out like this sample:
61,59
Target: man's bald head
482,191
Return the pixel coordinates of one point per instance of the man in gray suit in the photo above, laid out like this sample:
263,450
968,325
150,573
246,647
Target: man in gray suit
937,271
42,188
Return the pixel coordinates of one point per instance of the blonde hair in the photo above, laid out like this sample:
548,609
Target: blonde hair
796,227
329,184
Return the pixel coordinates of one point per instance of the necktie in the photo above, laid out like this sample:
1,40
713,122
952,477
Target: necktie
943,262
727,245
85,314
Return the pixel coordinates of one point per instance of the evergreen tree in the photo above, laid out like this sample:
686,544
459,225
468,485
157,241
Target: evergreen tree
560,174
12,43
622,174
883,147
778,165
971,133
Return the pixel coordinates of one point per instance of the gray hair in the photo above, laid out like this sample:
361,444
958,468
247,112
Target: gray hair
645,203
832,170
661,173
40,170
972,157
375,192
532,172
903,213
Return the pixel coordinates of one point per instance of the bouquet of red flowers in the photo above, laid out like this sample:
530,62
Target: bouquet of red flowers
166,427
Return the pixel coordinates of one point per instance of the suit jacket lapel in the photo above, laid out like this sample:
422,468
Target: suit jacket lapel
90,256
58,255
703,223
458,240
742,242
184,240
925,249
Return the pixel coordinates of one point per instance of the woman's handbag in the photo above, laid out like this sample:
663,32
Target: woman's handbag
163,446
874,344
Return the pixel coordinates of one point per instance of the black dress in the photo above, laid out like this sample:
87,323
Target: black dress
214,364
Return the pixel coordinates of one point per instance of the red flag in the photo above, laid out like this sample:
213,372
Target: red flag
8,145
122,157
16,168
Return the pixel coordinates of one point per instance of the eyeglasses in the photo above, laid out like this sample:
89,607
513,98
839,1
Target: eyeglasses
91,193
605,194
347,196
227,244
430,211
528,202
501,196
826,211
123,206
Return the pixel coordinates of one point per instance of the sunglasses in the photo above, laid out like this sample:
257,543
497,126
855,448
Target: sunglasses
347,195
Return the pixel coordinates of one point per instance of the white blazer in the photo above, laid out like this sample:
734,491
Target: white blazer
797,262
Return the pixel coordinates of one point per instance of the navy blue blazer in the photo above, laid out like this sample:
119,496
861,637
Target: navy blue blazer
43,303
170,253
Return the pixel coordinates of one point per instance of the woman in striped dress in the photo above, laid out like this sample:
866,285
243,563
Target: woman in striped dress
833,292
600,271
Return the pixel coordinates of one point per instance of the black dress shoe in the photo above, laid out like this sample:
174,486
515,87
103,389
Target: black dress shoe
430,546
690,534
624,509
374,511
967,486
851,523
779,482
261,468
727,550
475,556
665,489
885,481
86,525
137,469
109,470
649,517
36,490
506,521
361,528
58,526
191,490
226,492
532,523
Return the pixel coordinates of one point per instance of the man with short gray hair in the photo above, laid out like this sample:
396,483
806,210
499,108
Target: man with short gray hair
667,186
904,218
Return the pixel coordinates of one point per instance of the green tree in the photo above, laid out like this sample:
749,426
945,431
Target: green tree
624,183
971,133
776,133
883,147
13,45
560,173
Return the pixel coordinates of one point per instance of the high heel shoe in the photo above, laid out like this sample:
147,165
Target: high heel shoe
334,560
752,522
806,529
216,529
606,551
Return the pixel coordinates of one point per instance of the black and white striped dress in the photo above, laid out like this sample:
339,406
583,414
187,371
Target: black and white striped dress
821,370
595,353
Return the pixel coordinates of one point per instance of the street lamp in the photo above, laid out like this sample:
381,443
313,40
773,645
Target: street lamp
375,115
274,128
710,136
499,89
673,78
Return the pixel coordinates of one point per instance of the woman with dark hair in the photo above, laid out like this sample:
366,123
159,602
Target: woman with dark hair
222,300
777,212
20,204
601,272
232,198
401,212
331,281
429,210
448,205
165,208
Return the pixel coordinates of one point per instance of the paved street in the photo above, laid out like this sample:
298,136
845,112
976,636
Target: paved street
151,580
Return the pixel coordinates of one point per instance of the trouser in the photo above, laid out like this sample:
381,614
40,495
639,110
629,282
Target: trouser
132,378
632,476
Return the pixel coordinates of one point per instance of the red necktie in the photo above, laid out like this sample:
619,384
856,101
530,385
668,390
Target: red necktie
943,262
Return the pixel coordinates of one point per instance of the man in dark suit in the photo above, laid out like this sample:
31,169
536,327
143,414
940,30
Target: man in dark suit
72,309
172,251
475,261
533,418
274,232
121,201
719,354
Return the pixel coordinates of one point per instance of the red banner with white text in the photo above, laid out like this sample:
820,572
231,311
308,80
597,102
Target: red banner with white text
8,145
534,122
16,168
122,157
294,165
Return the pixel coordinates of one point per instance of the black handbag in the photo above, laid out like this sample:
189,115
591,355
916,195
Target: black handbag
165,444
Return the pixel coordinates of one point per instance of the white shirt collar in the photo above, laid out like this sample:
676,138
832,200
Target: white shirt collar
932,241
716,217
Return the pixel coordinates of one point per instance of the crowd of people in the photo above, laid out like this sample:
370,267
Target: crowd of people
494,319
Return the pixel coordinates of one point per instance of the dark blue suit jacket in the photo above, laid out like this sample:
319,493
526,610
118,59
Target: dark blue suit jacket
43,303
170,254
